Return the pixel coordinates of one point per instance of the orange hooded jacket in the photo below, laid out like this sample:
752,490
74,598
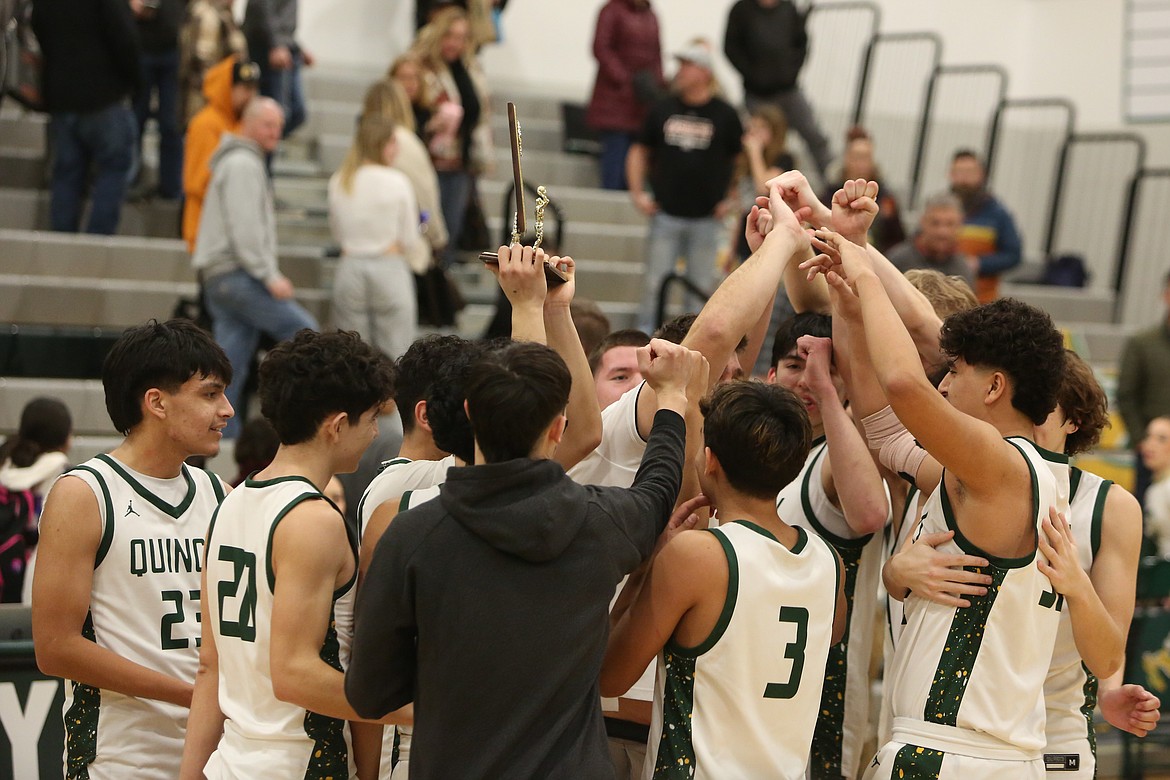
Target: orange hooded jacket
203,135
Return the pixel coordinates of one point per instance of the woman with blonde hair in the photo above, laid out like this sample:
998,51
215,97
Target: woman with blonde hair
389,100
407,72
459,136
375,218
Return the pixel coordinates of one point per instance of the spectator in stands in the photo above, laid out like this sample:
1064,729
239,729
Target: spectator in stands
158,29
989,232
936,244
407,72
1143,383
460,143
629,76
228,87
480,14
255,448
767,43
209,36
375,219
614,363
91,68
765,155
235,252
686,153
1155,454
859,163
281,69
388,99
30,461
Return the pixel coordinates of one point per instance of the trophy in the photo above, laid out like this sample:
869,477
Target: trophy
553,275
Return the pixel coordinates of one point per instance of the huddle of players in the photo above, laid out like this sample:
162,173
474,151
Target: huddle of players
758,625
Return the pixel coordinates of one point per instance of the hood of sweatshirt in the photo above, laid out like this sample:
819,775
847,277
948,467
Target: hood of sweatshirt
230,143
45,468
523,507
217,86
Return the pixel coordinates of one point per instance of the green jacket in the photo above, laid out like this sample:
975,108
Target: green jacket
1143,385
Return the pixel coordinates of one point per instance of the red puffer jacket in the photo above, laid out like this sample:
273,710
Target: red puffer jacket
625,42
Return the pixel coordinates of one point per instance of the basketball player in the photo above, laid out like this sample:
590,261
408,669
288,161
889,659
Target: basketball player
279,581
848,514
950,715
115,594
730,671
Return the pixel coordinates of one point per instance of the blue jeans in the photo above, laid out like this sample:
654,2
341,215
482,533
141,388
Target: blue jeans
696,241
160,77
615,144
284,86
454,195
107,140
241,309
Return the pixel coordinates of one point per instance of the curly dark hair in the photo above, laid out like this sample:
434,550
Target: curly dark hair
1018,339
760,433
449,424
416,370
313,375
1084,403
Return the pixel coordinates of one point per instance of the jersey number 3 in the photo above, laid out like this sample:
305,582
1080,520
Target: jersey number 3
242,587
794,650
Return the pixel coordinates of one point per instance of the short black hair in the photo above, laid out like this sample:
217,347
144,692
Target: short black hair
1016,338
676,329
806,323
313,375
157,354
967,153
630,337
513,394
416,369
760,433
450,427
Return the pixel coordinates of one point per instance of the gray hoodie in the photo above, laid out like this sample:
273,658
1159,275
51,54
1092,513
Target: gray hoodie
238,226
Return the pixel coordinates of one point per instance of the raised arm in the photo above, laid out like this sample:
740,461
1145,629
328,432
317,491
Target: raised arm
860,494
583,436
521,277
71,532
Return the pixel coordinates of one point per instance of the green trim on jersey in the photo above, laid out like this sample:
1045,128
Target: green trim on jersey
176,511
969,547
676,749
801,535
330,757
1098,516
728,605
216,486
806,503
1090,692
108,523
1074,482
81,721
272,531
393,462
917,763
263,483
404,502
828,740
210,529
960,652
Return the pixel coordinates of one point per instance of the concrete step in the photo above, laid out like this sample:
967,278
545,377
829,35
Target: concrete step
552,169
624,243
24,131
346,85
28,209
1065,303
84,397
23,167
1100,343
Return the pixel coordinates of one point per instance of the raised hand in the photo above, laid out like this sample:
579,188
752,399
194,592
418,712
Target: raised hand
837,255
798,194
854,209
667,367
521,276
561,294
818,366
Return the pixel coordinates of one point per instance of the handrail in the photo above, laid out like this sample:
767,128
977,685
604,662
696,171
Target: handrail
664,289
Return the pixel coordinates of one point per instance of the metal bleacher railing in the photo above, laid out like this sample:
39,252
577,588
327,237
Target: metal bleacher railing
1072,193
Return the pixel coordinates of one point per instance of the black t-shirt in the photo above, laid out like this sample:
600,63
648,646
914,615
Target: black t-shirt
693,151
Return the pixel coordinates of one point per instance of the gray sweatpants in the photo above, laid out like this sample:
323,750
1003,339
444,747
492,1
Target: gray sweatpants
375,296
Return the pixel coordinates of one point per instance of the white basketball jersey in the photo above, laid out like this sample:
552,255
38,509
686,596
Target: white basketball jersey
744,703
1070,692
144,606
971,680
262,736
615,462
396,477
895,609
395,761
844,722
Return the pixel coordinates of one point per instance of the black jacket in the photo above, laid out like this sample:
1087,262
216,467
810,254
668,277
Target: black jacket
159,29
766,45
91,52
488,608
